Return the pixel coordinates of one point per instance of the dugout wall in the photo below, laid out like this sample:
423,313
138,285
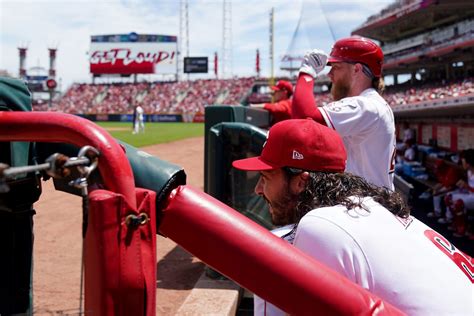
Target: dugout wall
235,132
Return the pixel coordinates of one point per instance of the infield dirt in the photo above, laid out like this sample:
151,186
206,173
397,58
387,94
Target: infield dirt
57,248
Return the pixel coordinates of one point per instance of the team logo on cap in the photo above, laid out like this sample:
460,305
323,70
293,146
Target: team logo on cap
297,155
268,135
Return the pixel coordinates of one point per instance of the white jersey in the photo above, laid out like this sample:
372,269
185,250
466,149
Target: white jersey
367,127
404,262
139,113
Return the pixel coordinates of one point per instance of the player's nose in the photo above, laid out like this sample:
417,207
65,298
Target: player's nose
259,187
330,74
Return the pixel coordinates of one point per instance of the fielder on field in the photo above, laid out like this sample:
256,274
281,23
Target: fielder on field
139,124
362,231
359,114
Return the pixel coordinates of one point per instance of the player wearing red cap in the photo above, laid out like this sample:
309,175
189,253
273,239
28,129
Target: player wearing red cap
359,114
281,107
361,231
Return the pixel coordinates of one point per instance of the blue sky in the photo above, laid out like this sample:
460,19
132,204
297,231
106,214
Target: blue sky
68,25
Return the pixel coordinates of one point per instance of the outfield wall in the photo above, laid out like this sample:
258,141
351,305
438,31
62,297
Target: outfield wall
194,118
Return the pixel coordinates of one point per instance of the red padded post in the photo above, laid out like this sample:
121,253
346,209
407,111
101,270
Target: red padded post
66,128
119,258
259,261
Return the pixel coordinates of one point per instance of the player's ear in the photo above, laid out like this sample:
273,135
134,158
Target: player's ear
357,68
299,182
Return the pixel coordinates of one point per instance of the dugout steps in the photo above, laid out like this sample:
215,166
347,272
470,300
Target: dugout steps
212,297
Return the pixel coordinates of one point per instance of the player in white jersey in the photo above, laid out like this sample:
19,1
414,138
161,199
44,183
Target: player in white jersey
359,114
362,231
139,125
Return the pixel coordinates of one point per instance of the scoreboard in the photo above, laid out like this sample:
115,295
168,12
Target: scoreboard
196,64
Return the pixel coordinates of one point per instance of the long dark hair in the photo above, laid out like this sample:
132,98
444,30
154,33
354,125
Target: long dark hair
329,189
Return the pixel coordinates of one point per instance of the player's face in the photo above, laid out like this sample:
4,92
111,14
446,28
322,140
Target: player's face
279,95
340,75
274,187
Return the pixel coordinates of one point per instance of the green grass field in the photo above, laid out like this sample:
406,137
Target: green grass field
155,133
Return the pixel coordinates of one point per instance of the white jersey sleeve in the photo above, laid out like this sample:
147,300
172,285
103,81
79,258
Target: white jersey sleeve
318,237
351,117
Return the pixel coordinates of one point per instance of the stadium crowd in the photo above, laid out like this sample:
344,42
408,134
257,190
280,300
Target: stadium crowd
412,93
167,97
193,96
409,93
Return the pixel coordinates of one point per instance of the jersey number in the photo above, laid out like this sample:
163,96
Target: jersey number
463,261
392,161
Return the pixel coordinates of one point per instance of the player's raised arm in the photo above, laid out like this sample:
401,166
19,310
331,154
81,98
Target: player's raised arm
304,104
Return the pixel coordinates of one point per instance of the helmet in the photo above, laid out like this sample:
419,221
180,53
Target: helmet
360,50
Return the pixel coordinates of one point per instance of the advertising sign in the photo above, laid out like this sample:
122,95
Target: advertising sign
133,54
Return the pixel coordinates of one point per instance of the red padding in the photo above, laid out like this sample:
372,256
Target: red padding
67,128
261,262
120,261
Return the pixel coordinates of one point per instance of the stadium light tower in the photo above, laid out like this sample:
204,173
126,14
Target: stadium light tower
22,49
52,62
226,59
271,55
183,35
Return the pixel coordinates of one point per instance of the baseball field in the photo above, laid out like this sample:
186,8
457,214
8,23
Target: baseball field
155,133
57,249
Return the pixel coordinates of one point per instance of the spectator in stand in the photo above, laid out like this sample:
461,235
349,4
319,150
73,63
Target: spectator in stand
280,108
461,201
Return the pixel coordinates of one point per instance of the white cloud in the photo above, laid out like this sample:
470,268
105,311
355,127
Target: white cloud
69,25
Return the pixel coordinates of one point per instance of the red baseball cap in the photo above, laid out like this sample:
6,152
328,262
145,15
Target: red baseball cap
302,144
283,85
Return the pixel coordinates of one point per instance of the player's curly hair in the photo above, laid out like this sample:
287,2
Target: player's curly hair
330,189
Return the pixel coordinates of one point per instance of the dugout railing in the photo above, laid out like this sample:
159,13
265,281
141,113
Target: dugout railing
120,263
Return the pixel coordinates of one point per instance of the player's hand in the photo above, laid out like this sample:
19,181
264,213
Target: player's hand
314,62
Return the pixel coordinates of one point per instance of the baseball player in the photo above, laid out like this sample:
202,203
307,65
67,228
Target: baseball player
139,125
361,231
359,114
281,107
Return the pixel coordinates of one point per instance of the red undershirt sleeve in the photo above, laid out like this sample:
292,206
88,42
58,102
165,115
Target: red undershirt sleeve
304,104
281,106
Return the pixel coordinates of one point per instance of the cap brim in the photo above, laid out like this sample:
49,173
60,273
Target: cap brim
252,164
275,88
334,60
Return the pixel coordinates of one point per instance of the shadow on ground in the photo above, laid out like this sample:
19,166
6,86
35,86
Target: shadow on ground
178,271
